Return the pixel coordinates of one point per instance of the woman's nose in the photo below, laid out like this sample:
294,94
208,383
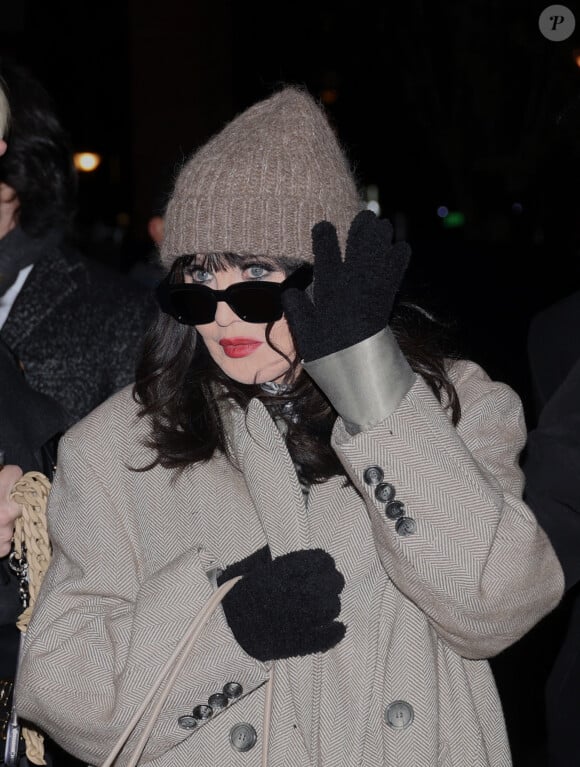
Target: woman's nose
224,314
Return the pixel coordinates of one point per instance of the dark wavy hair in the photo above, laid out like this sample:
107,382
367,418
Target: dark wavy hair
38,163
179,387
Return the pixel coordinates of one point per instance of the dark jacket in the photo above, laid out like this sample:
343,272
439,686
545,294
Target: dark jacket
70,341
552,469
553,346
77,327
30,424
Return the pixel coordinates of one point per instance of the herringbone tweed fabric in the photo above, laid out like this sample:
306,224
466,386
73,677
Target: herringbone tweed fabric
132,553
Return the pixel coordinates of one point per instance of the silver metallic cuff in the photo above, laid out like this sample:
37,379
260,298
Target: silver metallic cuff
366,382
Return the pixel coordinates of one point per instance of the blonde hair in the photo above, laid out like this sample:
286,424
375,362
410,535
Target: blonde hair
4,111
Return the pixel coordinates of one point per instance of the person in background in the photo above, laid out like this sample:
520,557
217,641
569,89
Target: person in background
30,426
8,511
155,224
292,423
69,329
146,268
553,347
74,325
552,469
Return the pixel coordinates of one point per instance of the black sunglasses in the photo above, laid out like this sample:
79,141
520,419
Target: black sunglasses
257,301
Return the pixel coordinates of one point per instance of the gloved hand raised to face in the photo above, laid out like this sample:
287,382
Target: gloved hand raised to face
285,606
353,299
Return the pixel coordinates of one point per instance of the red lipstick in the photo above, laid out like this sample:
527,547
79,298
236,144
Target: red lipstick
239,347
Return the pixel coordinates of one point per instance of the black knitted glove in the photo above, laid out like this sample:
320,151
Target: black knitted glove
353,299
285,606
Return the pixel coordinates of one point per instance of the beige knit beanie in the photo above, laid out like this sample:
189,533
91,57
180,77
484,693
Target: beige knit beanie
259,186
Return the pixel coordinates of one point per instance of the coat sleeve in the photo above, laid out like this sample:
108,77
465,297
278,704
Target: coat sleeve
468,551
103,628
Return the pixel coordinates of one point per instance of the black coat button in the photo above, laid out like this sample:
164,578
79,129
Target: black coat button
218,701
406,526
384,492
243,737
187,722
395,509
232,690
201,713
373,475
399,714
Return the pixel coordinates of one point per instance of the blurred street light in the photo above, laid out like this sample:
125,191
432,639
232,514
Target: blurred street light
86,162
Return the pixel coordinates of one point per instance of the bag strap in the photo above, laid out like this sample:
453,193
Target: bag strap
177,657
166,679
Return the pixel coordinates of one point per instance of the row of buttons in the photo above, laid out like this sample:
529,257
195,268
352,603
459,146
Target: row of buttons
243,736
215,703
385,493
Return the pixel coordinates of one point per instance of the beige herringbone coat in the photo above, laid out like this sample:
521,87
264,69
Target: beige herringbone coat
134,552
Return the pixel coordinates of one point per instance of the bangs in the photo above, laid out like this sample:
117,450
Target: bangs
218,262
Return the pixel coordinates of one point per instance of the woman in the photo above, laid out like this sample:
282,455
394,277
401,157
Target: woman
366,491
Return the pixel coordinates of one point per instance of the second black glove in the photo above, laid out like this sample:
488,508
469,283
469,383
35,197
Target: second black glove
286,606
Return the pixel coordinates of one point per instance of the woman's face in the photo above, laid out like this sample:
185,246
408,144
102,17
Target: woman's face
240,348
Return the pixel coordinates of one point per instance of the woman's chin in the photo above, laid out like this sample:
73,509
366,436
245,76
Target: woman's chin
273,374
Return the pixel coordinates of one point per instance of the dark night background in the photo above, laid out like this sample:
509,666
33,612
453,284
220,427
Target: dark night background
462,104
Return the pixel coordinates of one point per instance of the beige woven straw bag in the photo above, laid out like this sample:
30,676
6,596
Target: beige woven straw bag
29,559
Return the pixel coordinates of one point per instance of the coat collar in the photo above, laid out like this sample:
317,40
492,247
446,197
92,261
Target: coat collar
18,249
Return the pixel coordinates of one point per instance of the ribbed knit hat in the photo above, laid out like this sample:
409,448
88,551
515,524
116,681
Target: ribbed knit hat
259,186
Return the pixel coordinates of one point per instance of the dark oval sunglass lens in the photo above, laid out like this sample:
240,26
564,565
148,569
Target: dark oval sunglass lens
259,303
193,307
